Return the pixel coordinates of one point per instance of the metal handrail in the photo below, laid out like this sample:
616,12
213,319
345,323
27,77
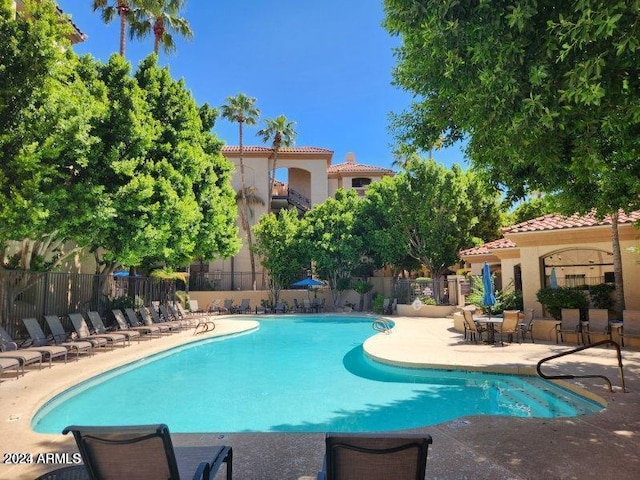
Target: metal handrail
381,325
579,349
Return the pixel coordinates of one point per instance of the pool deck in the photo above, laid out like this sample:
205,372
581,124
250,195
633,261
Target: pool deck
602,445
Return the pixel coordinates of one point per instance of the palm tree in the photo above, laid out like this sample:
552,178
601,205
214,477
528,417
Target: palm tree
161,17
241,109
123,8
282,134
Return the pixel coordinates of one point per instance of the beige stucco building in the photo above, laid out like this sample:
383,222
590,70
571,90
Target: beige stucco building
577,248
305,176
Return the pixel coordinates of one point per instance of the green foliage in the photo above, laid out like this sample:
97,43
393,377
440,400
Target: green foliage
426,214
532,208
362,287
545,92
510,299
378,302
427,300
160,17
281,133
555,299
506,299
120,303
331,240
277,243
601,295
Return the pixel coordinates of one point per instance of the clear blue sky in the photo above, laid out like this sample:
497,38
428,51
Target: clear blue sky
325,65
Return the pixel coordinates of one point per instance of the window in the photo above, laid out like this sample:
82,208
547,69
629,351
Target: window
360,182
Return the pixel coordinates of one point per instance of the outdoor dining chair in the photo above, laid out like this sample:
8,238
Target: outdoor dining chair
138,453
375,457
569,324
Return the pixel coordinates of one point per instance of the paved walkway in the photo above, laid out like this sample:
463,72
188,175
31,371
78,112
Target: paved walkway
603,445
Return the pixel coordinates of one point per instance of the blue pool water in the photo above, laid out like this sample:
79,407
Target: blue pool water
296,374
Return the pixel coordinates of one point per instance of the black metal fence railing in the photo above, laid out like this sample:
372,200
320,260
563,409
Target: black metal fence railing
441,292
226,281
26,294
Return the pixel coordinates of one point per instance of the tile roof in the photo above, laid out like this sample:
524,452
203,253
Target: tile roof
349,167
268,150
554,221
487,247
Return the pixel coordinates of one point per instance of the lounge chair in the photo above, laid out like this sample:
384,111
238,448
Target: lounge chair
147,320
9,363
158,320
59,334
39,339
228,305
386,306
49,352
83,332
526,326
194,307
280,308
139,453
27,355
244,306
216,307
509,326
133,323
598,323
177,312
122,327
99,328
569,323
173,317
375,457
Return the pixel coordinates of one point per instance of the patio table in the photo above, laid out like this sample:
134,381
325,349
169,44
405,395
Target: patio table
490,322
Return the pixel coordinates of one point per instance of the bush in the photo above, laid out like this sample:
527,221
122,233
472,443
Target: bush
378,301
121,303
601,295
555,299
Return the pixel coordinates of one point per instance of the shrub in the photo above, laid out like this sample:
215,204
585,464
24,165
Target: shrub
378,301
601,295
555,299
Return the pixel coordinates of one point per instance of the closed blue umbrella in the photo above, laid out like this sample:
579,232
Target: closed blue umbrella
488,299
553,279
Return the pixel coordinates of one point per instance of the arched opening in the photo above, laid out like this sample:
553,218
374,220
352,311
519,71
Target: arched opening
576,267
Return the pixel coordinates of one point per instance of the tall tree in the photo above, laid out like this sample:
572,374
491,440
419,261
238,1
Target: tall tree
45,138
329,236
545,90
162,18
281,133
242,109
278,244
124,9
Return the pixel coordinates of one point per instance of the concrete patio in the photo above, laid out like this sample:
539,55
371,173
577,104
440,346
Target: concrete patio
602,445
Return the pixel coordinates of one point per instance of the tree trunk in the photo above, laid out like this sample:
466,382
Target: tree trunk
122,12
617,266
245,209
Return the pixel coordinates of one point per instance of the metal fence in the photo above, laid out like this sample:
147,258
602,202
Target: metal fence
26,294
442,291
226,281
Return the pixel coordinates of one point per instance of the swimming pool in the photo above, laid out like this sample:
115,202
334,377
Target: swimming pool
296,374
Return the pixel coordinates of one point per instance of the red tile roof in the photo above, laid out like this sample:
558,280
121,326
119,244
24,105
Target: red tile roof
349,167
560,222
487,247
268,150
